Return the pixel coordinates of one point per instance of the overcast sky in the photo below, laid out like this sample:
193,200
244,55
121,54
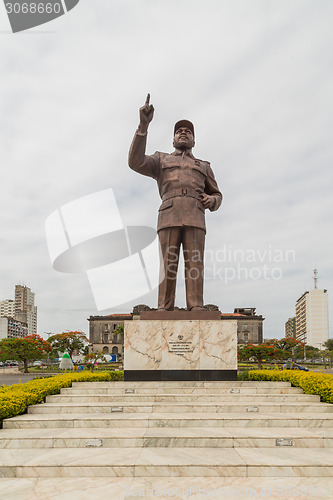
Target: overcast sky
255,77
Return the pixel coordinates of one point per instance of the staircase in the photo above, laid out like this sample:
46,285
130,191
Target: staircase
125,438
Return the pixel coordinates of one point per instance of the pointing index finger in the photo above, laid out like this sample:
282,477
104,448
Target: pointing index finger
147,100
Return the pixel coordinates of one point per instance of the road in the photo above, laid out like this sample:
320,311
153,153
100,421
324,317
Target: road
322,370
9,376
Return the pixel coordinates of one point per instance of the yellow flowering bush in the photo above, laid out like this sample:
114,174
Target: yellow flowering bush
311,382
15,399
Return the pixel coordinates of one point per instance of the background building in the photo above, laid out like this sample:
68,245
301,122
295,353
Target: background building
7,308
249,325
104,340
11,328
312,317
102,334
290,327
25,309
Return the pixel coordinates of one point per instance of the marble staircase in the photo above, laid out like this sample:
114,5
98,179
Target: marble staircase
137,433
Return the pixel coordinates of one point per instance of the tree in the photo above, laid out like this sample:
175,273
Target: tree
287,344
305,350
29,348
329,351
311,352
92,358
261,352
70,341
85,350
293,347
329,344
329,355
119,331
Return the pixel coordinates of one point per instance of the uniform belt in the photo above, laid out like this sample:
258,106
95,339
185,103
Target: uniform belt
181,192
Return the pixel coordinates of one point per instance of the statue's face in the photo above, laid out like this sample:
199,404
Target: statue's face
183,138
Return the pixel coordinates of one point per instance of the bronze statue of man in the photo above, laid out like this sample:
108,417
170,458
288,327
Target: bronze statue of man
187,187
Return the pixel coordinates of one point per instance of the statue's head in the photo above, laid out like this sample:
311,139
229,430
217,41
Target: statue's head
183,135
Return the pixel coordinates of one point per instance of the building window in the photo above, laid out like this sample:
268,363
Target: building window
114,350
246,337
106,337
106,328
105,350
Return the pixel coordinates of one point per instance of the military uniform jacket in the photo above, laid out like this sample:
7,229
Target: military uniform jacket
181,180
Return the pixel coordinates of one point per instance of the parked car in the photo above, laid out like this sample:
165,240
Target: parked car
295,366
9,362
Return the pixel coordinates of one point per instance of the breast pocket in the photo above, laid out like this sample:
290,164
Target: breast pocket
170,172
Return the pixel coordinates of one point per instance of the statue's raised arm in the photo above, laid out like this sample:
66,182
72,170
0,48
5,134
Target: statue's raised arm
137,158
146,115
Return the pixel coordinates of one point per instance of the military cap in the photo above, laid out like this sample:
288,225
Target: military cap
184,123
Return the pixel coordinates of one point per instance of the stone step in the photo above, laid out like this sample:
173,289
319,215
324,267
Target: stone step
171,435
176,488
131,407
185,398
131,389
182,384
118,437
144,420
131,437
166,462
180,390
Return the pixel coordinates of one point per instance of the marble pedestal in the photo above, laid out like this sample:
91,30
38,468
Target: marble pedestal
165,349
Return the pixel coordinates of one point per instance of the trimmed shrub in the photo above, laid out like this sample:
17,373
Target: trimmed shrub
311,382
243,375
15,399
117,375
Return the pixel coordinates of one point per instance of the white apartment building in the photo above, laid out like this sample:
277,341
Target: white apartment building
7,308
312,318
11,328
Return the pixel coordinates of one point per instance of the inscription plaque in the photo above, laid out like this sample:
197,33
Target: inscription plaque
94,443
284,442
180,347
116,409
252,408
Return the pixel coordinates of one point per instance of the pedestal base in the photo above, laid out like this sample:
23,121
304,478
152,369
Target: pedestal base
178,375
157,350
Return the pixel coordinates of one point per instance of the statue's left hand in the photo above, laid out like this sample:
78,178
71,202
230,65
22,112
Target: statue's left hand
207,200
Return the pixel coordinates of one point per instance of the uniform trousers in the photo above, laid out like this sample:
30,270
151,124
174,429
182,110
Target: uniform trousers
192,240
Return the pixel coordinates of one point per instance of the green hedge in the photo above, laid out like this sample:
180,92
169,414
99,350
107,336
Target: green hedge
15,399
311,382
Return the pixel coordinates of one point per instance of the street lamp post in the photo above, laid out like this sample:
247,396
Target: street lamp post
48,336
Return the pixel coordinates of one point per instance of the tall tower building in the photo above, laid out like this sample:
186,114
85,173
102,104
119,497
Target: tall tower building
7,308
25,309
290,328
312,317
